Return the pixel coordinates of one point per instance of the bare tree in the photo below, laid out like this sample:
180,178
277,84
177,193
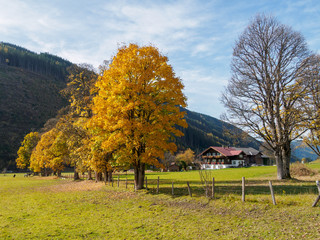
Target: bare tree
168,159
264,91
311,104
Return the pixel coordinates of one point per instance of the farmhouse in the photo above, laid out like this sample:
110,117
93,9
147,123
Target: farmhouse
221,157
225,157
252,156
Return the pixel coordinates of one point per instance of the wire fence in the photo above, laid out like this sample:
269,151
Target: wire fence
212,189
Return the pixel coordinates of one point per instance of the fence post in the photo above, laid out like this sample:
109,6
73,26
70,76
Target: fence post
126,182
272,194
206,185
189,189
146,183
212,188
243,189
172,189
158,185
318,198
112,181
118,180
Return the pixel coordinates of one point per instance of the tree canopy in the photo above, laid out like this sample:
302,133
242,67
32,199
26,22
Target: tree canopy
137,107
25,151
311,104
265,91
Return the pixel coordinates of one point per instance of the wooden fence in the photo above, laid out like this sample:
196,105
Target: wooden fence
209,189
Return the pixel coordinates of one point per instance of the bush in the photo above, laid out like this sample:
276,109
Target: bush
299,169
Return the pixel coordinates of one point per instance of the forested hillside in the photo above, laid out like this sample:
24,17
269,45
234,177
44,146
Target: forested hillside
43,63
29,95
30,86
300,150
204,131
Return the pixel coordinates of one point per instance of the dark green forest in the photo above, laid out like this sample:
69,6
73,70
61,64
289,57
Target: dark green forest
204,131
30,86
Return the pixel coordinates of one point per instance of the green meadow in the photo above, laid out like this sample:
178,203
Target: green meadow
50,208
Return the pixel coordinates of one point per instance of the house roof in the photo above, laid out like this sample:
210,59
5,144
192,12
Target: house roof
226,151
249,151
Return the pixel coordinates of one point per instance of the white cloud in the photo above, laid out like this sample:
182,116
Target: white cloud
197,36
203,89
169,26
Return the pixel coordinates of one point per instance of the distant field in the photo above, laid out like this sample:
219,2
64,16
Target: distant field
48,208
316,162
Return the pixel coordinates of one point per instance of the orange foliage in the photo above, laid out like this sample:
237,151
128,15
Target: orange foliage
137,106
24,152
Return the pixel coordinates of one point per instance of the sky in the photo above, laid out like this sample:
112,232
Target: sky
197,36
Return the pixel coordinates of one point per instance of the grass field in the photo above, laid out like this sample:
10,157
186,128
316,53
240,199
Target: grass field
48,208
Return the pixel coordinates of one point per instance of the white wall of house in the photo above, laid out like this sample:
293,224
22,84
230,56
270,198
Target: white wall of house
237,163
234,163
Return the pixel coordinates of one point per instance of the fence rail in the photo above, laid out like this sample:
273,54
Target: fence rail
211,189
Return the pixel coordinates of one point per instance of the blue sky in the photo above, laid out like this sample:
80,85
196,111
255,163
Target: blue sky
197,36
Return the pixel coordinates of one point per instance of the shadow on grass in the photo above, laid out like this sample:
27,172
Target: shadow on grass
253,187
222,188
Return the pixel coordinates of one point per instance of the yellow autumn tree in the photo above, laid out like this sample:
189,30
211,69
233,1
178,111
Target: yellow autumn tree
41,155
79,90
65,142
185,158
51,153
100,160
24,152
137,108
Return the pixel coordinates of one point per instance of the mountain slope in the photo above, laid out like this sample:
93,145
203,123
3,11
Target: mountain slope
29,95
44,64
204,131
27,100
300,150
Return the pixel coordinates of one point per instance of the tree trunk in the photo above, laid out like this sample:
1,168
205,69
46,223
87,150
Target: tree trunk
279,163
139,174
105,176
282,158
76,174
89,175
98,176
95,176
286,156
110,176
